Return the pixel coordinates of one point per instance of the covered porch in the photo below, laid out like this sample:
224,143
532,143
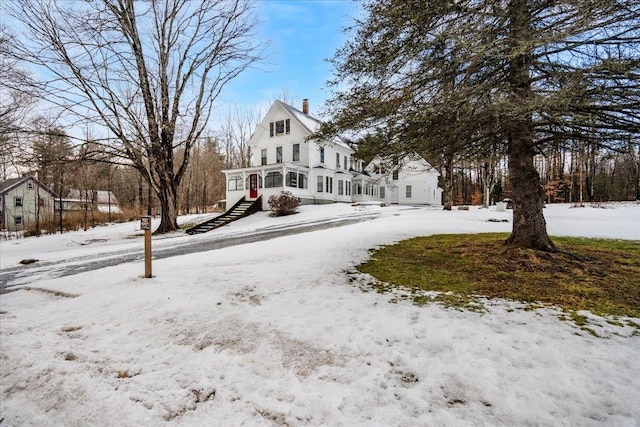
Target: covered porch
266,180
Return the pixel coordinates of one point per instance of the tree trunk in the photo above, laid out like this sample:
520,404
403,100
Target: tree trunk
168,195
529,227
447,183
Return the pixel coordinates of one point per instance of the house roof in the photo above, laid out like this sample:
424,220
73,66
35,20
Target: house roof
101,196
10,184
106,197
406,158
310,123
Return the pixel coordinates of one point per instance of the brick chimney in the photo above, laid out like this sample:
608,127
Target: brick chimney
305,106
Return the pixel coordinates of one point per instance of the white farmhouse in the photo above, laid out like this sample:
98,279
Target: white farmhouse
319,172
410,180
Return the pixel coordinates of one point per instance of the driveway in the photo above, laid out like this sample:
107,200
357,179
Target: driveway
13,277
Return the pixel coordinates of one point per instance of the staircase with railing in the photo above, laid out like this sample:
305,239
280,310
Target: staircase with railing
241,209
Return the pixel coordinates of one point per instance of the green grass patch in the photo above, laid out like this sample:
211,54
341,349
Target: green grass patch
598,275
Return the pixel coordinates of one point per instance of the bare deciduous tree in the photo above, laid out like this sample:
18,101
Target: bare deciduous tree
15,102
149,72
236,130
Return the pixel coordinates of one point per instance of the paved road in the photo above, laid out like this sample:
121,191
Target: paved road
29,274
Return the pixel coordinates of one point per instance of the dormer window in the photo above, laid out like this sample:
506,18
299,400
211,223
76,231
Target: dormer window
280,127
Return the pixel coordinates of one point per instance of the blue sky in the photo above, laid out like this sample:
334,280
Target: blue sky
303,34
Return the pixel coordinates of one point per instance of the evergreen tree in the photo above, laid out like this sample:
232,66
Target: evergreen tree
461,76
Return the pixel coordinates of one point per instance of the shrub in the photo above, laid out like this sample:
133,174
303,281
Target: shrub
284,204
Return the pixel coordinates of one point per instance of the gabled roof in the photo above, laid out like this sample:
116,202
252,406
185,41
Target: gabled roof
12,183
308,122
311,124
9,184
101,196
106,197
404,160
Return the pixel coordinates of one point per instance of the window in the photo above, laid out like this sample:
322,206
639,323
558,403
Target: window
357,188
278,154
337,160
17,220
302,181
296,152
321,154
340,187
42,202
408,191
292,179
348,188
329,184
247,184
29,185
273,179
235,183
17,202
279,127
394,176
263,156
382,189
320,183
345,162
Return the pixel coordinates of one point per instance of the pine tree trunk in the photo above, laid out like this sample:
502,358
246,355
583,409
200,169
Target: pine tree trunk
529,227
447,183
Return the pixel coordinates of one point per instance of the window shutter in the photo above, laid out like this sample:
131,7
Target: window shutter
271,129
287,126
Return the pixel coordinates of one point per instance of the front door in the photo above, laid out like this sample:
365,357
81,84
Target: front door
395,196
253,186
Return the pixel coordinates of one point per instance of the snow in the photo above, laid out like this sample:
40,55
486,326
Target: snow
278,333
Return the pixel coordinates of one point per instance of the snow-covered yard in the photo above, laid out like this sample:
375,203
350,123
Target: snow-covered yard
277,333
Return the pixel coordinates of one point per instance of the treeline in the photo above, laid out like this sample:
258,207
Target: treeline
71,167
577,174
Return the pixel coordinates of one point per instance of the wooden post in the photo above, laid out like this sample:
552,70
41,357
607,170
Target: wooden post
145,224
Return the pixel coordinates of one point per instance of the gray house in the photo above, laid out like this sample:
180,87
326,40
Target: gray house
25,203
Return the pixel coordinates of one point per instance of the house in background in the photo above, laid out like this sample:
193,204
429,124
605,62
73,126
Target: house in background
410,180
90,200
26,203
318,172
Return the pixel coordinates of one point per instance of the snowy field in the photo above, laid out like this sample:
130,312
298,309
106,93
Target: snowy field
277,333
